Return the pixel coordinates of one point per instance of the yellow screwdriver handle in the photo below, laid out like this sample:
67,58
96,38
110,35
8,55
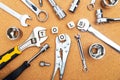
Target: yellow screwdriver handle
8,56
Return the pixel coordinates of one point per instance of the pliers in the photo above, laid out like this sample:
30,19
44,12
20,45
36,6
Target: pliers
63,42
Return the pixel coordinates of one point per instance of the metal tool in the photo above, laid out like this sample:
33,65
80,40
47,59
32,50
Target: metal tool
91,6
36,38
109,3
61,14
84,26
74,5
81,53
41,3
14,33
36,10
97,51
43,64
101,19
63,42
21,18
13,75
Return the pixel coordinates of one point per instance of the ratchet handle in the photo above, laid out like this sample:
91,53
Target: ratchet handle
17,72
9,56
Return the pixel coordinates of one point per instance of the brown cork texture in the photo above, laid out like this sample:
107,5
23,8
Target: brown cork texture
107,68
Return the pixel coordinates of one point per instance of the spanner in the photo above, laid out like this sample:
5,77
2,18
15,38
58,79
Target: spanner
36,38
81,53
84,26
36,10
21,18
91,6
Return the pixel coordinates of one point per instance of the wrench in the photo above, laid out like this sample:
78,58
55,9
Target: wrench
36,10
91,6
36,38
84,26
21,18
81,53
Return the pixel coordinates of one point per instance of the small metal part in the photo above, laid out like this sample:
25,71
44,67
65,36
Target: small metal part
101,19
81,53
109,3
85,26
38,12
91,6
97,51
54,30
43,64
41,3
71,25
61,14
74,5
14,33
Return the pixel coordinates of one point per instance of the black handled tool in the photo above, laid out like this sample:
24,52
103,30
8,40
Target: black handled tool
25,65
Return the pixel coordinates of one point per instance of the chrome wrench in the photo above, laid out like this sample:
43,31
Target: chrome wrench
36,10
21,18
84,26
81,53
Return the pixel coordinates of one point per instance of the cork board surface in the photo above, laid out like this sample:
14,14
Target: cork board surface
108,68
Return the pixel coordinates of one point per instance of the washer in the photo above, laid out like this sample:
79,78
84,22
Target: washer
14,33
96,51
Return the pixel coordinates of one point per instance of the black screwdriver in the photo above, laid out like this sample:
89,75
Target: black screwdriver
25,65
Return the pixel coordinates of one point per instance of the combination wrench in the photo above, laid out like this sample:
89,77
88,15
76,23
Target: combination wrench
84,26
36,10
21,18
81,53
37,37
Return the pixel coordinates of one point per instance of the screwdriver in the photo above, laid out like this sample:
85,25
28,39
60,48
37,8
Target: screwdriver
25,65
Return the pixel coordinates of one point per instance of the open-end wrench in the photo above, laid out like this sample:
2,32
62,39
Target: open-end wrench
21,18
91,6
81,53
84,26
36,10
36,38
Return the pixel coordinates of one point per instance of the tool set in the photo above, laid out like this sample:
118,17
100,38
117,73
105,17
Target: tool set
25,65
63,41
